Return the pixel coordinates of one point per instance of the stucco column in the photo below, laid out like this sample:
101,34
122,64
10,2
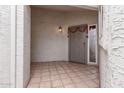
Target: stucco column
111,43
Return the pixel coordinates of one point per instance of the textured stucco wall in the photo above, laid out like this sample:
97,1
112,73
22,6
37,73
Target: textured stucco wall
112,43
47,43
5,46
22,45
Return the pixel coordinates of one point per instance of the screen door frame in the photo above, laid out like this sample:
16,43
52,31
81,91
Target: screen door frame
88,45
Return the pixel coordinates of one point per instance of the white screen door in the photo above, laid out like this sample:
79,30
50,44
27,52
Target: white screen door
92,44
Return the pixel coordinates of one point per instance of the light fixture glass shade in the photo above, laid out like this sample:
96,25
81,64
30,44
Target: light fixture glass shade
60,29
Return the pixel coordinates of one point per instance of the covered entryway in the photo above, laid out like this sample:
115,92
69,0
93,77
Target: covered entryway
15,44
59,51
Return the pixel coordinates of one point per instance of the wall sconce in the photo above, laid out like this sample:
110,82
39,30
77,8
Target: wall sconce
60,29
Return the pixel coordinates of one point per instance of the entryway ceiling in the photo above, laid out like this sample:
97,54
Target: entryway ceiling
67,8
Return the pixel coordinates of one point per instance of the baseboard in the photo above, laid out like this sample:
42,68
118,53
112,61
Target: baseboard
50,61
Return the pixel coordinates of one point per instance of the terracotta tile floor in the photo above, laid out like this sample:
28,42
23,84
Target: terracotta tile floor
63,75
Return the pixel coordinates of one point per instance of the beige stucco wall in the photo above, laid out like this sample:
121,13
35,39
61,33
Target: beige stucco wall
47,43
112,43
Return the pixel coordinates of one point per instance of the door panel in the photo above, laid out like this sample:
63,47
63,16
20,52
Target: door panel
77,47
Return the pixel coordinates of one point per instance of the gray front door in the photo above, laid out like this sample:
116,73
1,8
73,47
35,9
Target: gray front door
78,47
